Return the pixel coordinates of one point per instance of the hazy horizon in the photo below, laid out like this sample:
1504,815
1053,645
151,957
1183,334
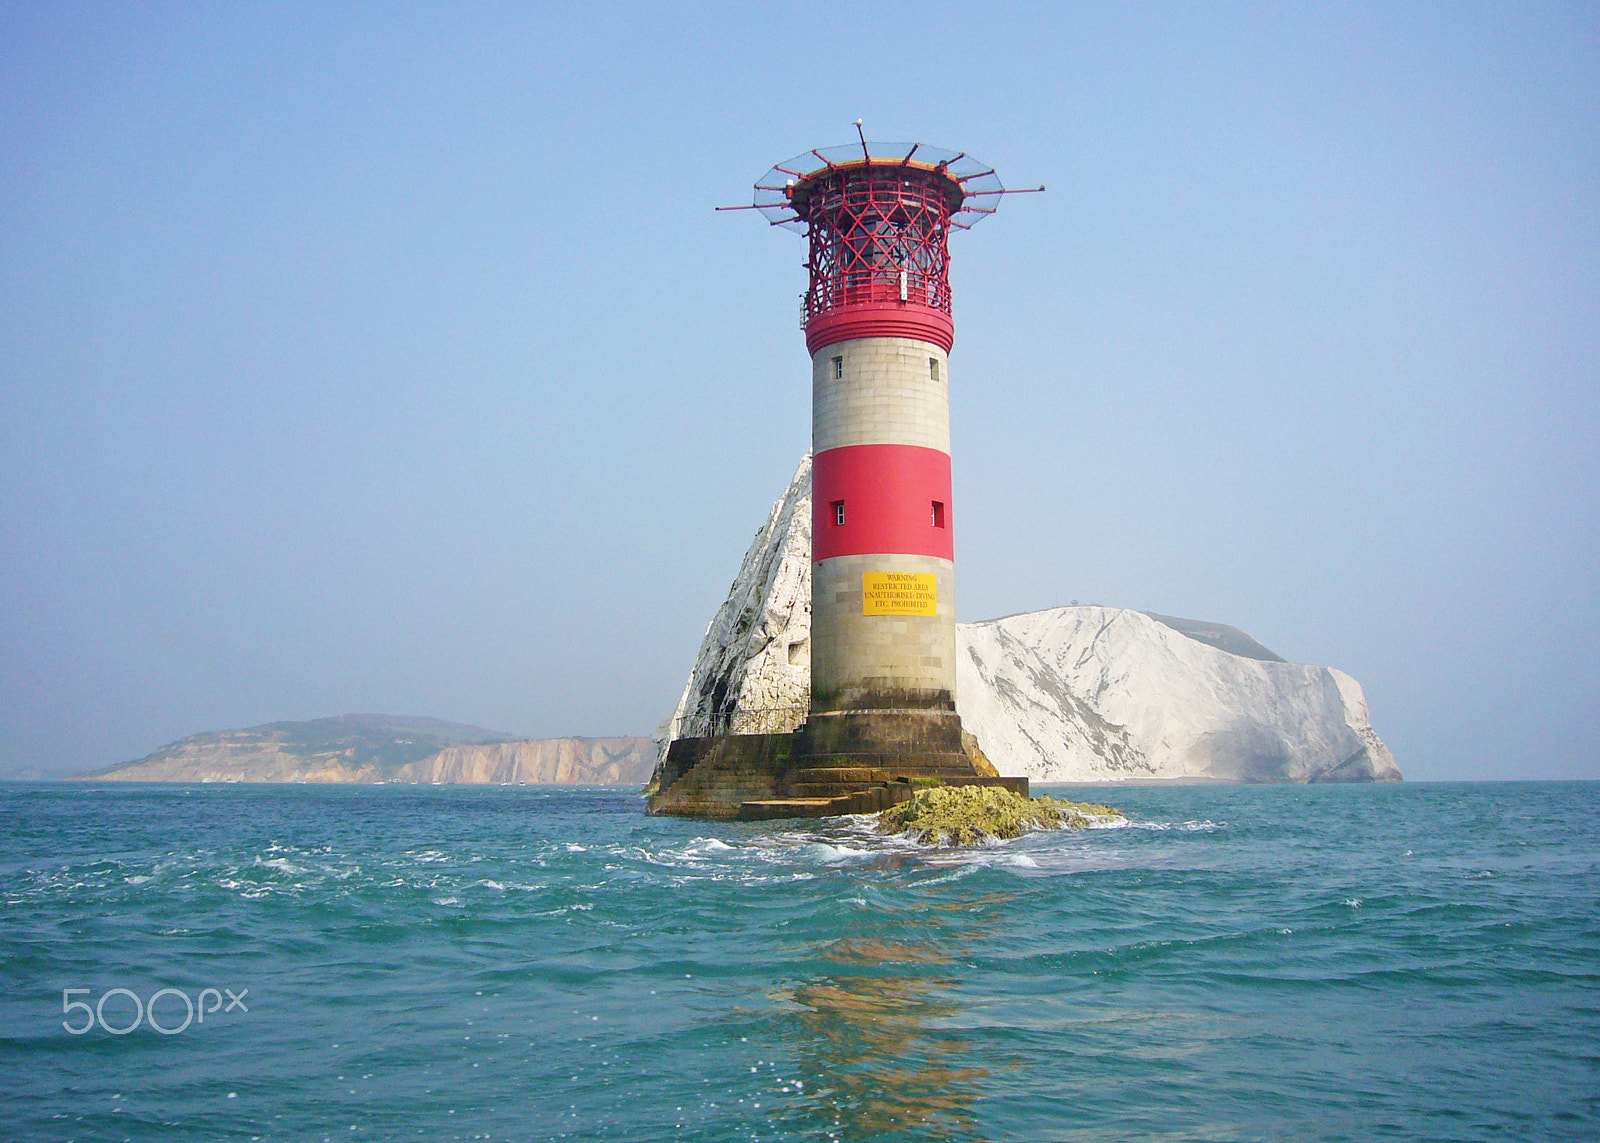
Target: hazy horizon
359,360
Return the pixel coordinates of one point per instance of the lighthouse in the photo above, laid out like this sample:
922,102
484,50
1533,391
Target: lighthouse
877,317
877,219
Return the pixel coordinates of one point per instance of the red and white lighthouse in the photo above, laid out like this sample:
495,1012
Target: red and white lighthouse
876,313
877,217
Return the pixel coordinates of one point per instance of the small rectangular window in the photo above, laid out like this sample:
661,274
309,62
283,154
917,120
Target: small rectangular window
838,513
933,368
838,368
938,513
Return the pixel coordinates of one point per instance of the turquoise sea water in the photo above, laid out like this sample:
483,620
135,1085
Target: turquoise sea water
1239,963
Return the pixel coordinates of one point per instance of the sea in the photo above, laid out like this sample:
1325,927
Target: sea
1407,961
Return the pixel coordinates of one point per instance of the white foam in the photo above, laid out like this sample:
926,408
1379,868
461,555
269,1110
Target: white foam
1161,827
834,854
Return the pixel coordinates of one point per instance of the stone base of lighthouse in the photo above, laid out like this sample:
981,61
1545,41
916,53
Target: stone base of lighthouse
848,762
841,761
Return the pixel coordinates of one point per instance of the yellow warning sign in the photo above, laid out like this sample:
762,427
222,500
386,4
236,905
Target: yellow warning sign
899,593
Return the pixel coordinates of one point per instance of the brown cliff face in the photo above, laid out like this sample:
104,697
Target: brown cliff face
539,762
386,748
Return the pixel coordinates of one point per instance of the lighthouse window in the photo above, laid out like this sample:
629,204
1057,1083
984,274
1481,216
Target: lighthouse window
938,513
933,368
838,513
838,368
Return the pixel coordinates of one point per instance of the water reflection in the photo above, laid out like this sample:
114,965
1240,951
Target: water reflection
875,1028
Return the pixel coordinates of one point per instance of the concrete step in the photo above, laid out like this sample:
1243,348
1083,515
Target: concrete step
868,800
894,765
851,774
694,808
828,789
709,790
873,798
769,808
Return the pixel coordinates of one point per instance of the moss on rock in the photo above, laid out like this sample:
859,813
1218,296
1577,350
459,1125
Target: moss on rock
961,815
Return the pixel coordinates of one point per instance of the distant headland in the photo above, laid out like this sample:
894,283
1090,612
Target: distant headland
387,748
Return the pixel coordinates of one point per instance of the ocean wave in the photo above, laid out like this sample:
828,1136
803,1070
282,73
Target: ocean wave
1158,826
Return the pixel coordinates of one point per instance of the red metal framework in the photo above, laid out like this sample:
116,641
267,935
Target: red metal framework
878,233
878,223
878,218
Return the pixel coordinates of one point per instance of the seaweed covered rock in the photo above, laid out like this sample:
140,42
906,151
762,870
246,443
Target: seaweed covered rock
961,815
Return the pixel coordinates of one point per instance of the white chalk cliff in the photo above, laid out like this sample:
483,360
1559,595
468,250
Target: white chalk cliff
1103,693
756,654
1072,694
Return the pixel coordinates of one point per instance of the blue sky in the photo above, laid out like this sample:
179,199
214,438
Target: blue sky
392,357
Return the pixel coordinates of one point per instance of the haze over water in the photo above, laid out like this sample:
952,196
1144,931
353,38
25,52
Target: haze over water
1398,961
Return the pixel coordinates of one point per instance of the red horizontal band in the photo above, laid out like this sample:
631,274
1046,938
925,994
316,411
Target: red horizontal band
888,492
881,319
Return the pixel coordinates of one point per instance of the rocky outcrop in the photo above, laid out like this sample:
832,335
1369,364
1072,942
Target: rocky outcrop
962,815
1071,694
386,748
756,654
